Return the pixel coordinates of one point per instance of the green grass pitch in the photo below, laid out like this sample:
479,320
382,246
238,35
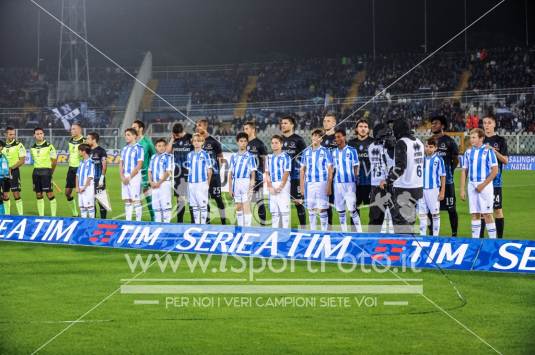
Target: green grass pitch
44,288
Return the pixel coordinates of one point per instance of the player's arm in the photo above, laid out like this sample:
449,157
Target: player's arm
22,158
463,184
210,172
77,183
166,175
252,180
489,179
454,155
442,188
89,181
230,182
121,170
400,159
152,183
53,158
137,168
329,179
302,172
285,177
502,155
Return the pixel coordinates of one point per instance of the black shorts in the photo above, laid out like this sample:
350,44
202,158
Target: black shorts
449,200
42,180
363,194
497,198
180,186
295,190
215,186
6,185
70,182
15,181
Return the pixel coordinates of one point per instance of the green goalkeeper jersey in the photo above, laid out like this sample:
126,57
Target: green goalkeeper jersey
149,151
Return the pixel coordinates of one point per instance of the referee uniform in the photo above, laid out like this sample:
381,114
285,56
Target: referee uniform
42,156
13,151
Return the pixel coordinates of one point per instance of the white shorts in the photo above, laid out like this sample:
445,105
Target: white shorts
316,195
162,197
280,202
132,190
198,194
429,203
480,202
240,190
345,196
86,199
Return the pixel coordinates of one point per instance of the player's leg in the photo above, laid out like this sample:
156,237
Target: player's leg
329,209
486,199
350,197
296,196
70,184
146,192
339,204
377,210
475,211
15,190
81,205
156,204
323,205
422,212
203,202
273,203
433,205
449,204
136,196
284,207
36,182
498,212
5,202
127,200
166,201
310,202
404,209
215,193
46,181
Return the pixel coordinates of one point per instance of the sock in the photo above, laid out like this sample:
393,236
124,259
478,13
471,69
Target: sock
482,232
74,206
500,223
285,220
248,219
389,222
324,220
157,215
181,208
83,212
148,199
239,217
423,224
476,228
262,212
355,218
138,209
454,221
301,215
166,215
103,212
7,206
128,211
275,219
91,212
20,206
41,207
342,218
330,216
204,214
53,206
312,219
209,215
491,229
436,225
196,215
221,206
2,209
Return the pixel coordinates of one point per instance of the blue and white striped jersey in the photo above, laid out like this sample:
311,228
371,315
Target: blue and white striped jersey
277,165
242,165
478,162
159,164
130,156
316,162
85,171
344,162
433,169
198,165
461,161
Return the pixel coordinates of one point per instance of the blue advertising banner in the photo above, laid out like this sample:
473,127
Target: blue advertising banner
520,162
356,248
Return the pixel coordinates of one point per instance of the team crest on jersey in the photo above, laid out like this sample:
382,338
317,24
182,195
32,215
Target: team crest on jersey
416,147
361,147
375,152
442,146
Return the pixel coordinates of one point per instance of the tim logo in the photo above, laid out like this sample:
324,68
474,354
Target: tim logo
388,249
103,232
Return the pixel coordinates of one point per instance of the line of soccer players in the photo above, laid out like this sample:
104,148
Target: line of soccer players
330,172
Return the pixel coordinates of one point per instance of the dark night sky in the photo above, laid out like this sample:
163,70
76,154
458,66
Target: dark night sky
230,31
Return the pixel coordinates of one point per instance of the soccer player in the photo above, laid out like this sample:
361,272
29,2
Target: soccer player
346,171
294,145
361,143
4,175
448,150
180,148
199,177
317,173
131,163
259,151
160,171
44,157
380,161
277,175
74,162
499,145
434,187
329,141
480,168
406,177
148,152
85,185
241,180
16,155
99,157
213,148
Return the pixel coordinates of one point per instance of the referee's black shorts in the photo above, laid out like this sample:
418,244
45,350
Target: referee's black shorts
42,180
70,182
14,182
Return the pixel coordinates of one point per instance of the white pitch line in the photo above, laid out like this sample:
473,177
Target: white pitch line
146,302
396,303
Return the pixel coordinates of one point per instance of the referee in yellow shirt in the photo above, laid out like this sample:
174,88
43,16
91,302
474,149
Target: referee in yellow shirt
16,155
